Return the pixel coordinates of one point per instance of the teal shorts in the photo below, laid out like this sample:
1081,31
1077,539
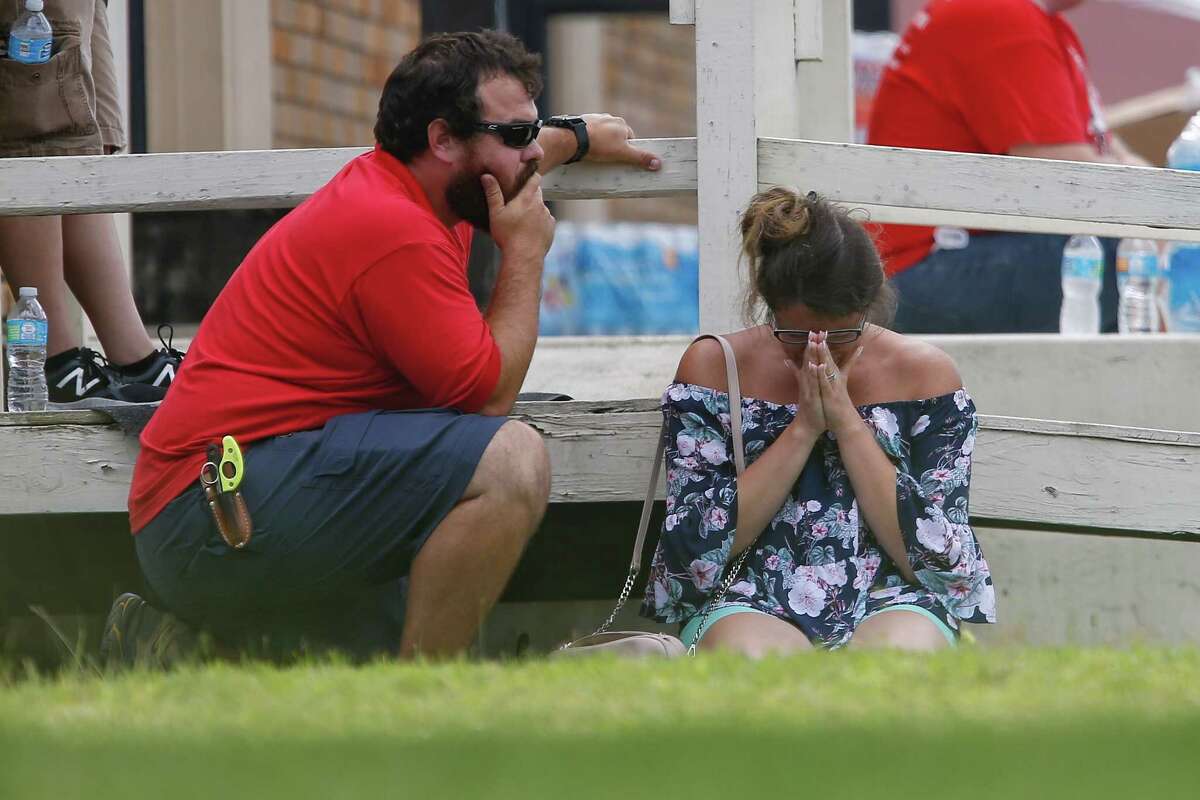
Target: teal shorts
690,628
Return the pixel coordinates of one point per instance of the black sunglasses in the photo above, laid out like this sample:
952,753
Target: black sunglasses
514,134
840,336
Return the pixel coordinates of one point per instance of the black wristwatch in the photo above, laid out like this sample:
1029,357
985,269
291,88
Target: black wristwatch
581,135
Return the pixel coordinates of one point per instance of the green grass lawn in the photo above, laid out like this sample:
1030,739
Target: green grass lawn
970,724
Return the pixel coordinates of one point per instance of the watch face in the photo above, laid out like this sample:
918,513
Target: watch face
577,126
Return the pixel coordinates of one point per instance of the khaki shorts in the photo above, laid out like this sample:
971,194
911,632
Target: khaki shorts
67,106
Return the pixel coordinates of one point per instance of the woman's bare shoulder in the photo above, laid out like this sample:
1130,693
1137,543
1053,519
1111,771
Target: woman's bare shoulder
703,363
926,371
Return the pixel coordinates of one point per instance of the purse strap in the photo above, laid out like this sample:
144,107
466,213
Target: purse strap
739,460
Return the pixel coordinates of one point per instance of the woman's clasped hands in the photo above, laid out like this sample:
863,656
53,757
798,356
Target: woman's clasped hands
823,401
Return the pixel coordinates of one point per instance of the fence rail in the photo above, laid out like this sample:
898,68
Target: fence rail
271,179
917,187
991,192
1027,473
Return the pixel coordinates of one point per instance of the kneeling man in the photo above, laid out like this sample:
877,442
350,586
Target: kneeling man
348,357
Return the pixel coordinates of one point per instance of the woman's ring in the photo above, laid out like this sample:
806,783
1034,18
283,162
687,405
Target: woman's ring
830,376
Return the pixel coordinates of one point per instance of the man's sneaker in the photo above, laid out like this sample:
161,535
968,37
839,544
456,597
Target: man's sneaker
136,634
160,370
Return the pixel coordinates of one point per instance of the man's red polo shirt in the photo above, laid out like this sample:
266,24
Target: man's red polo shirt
356,300
981,76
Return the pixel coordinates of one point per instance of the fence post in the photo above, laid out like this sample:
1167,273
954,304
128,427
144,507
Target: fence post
750,83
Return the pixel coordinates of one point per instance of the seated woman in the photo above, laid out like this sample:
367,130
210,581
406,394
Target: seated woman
858,449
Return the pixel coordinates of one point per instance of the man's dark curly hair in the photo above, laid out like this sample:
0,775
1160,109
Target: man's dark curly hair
440,80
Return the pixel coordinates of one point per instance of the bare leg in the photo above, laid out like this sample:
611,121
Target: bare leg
899,630
94,268
754,635
464,566
31,254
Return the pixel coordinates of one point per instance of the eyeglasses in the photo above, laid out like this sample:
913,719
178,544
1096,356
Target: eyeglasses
840,336
518,135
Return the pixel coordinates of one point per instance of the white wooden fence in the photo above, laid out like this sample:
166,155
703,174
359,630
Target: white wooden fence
270,179
745,54
891,184
752,83
1027,473
86,466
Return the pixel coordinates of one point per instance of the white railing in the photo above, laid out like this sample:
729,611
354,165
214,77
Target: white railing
895,185
892,185
927,187
762,67
1030,473
271,179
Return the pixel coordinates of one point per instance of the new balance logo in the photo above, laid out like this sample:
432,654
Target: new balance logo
81,388
166,376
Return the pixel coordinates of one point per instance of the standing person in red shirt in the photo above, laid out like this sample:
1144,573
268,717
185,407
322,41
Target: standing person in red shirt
1005,77
348,357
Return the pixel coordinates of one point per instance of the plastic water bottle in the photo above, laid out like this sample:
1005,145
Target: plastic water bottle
1183,258
1163,297
27,354
31,36
1137,286
1082,274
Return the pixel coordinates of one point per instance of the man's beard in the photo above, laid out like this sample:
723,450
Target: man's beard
466,197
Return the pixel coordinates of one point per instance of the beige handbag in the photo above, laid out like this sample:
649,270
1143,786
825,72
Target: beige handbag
639,644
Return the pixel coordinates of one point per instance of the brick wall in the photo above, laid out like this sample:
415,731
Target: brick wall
330,60
650,80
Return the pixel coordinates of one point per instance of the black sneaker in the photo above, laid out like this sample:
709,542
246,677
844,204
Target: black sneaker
82,377
160,371
136,634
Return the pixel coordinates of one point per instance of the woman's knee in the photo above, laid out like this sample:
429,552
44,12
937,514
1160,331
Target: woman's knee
899,630
754,635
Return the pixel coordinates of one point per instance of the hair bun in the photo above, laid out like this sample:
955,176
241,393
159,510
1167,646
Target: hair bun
775,216
800,248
